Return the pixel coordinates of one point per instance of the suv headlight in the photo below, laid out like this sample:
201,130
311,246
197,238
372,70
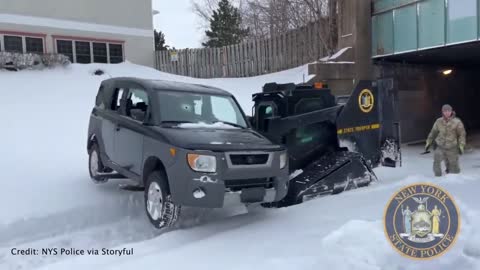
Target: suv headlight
283,160
202,163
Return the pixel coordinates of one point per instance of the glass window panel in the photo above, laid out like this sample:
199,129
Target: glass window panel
100,53
382,33
405,28
116,53
65,47
137,104
431,23
34,45
382,5
117,99
13,44
82,51
223,109
462,20
379,5
404,2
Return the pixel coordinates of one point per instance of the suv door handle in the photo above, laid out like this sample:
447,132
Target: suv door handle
117,128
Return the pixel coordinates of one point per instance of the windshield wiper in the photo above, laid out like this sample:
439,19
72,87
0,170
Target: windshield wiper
231,124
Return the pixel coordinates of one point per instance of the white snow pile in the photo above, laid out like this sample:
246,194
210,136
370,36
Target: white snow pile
333,58
48,201
350,145
295,174
217,125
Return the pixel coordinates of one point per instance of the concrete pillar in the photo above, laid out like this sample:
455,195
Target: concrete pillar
345,24
354,30
362,35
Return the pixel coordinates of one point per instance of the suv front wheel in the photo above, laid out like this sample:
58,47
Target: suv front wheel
95,166
161,211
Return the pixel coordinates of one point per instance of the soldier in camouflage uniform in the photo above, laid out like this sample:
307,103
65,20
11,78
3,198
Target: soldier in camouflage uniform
448,139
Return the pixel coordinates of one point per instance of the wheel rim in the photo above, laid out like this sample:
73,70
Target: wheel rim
94,163
154,201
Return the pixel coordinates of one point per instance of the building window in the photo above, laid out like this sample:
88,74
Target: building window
13,44
65,47
116,53
82,52
25,43
85,51
100,53
34,45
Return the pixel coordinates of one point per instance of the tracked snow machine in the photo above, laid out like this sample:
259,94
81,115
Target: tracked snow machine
333,142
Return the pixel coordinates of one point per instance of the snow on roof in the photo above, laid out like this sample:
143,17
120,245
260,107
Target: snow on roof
206,125
340,62
339,53
73,25
336,55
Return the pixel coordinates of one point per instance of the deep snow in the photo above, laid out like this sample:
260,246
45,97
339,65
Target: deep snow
47,199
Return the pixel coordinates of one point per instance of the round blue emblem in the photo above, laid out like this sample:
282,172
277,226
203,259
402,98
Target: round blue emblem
422,221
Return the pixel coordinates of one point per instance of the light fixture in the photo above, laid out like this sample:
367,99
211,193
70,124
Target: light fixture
447,72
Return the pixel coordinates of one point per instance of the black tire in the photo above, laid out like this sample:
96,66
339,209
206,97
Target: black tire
166,213
95,165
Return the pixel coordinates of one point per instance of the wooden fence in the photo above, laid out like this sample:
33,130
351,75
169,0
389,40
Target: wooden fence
249,58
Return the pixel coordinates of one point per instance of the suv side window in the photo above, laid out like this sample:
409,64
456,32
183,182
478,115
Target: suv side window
309,105
137,104
117,99
264,111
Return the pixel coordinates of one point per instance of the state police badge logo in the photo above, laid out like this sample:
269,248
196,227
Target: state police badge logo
422,221
366,100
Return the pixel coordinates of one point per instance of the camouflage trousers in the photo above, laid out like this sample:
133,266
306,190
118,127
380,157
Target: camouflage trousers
450,157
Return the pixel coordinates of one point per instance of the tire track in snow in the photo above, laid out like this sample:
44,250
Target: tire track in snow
113,222
102,212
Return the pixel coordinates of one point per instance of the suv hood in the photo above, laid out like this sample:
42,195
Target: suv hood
218,139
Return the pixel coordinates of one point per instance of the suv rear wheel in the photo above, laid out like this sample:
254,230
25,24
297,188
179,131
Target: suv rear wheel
95,166
161,211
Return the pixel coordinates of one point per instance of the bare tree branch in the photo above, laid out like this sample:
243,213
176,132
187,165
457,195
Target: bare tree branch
266,18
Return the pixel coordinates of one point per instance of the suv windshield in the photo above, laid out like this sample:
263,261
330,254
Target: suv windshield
184,107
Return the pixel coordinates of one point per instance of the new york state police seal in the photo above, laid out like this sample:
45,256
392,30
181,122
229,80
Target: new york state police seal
422,221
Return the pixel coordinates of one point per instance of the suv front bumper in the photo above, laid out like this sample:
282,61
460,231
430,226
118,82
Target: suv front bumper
230,184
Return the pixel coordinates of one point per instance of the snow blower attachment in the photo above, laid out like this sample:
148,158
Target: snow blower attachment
332,145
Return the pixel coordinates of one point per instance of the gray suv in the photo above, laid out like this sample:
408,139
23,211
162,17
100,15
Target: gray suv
183,145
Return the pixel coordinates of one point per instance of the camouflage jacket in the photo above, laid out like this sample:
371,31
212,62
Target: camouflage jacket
447,133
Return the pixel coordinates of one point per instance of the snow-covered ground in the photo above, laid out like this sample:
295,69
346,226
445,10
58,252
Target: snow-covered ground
47,199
